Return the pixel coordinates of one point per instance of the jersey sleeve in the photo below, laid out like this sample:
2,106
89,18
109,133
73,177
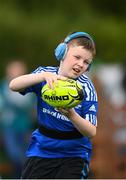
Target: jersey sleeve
90,102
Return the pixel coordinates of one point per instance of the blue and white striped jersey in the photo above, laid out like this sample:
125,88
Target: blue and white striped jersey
48,116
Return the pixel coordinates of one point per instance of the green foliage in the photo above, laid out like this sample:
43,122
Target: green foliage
31,29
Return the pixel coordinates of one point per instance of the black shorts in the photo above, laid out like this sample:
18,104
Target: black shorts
55,168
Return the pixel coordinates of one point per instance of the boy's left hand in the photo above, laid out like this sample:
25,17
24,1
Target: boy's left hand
67,112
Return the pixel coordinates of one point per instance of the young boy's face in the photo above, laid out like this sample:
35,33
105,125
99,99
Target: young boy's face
75,62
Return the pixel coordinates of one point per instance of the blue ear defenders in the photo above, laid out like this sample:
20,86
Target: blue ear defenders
89,67
62,48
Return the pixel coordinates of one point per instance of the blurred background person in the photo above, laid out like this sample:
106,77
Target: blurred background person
111,137
15,118
124,80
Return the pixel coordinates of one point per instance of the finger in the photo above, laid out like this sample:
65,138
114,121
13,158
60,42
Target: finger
50,83
55,80
64,111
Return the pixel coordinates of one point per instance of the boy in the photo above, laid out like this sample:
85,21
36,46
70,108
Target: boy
49,156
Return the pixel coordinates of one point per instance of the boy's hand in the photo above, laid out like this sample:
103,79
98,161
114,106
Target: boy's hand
52,78
67,112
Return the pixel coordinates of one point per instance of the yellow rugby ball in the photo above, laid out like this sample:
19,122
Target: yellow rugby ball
65,94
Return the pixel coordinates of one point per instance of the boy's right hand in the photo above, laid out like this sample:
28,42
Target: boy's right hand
52,78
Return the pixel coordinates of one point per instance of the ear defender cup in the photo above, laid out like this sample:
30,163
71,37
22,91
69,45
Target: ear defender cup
62,48
89,67
61,51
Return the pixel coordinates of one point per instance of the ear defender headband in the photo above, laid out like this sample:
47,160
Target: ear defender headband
62,48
